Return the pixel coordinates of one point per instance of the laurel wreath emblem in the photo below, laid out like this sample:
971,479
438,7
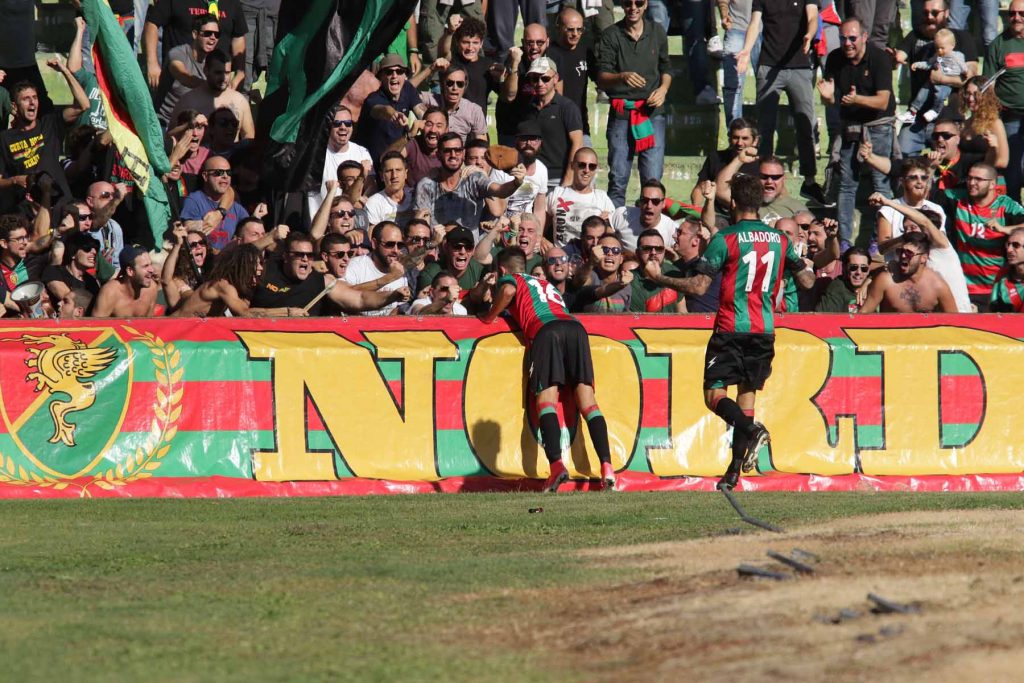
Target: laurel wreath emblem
157,444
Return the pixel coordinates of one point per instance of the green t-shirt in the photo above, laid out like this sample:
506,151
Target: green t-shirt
649,297
96,115
838,298
467,280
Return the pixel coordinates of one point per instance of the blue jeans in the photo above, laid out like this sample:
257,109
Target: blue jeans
695,17
732,86
988,16
940,92
1013,169
620,156
915,137
849,176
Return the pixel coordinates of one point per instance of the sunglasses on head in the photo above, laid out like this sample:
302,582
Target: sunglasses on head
942,135
611,251
337,123
210,34
218,172
556,260
586,166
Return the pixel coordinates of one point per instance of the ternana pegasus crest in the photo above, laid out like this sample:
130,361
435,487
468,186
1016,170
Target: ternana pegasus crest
60,369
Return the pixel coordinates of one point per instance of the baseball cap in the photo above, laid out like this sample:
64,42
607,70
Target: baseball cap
129,254
460,234
391,60
528,128
542,65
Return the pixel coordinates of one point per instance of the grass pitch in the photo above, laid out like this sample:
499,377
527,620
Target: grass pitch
452,587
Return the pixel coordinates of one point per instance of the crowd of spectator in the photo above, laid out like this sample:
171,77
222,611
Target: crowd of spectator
416,196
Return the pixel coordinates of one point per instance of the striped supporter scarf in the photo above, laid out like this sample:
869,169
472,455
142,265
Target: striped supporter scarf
639,123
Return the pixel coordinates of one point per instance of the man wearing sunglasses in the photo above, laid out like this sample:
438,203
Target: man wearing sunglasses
80,252
384,115
909,285
102,201
570,204
185,63
464,117
841,294
571,55
917,46
651,294
632,221
175,17
456,258
215,93
381,270
1008,292
858,77
516,85
215,204
456,196
340,148
1005,53
633,70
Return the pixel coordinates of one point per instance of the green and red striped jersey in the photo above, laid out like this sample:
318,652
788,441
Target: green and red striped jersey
536,302
1007,296
750,256
981,249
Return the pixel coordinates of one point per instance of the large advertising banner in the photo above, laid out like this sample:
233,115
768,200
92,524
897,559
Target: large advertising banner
363,405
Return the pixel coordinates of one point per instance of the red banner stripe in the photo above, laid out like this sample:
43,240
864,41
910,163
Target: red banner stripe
962,398
655,403
448,399
842,392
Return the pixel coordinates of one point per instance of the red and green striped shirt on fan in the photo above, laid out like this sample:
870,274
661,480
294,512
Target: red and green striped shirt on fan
750,256
1007,296
982,250
535,303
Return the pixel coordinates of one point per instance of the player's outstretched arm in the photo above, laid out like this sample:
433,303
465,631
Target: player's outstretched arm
695,285
804,278
502,298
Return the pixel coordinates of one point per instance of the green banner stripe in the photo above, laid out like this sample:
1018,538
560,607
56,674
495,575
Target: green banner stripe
957,364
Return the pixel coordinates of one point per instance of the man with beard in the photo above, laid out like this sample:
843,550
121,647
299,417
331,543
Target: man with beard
214,93
339,149
102,201
79,258
419,144
456,196
775,200
132,294
464,117
457,259
841,294
652,293
16,264
1008,292
631,221
574,202
382,269
383,118
915,177
215,202
33,142
532,195
919,46
909,285
982,220
557,271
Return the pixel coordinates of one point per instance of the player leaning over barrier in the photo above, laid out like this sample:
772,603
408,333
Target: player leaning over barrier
750,255
559,353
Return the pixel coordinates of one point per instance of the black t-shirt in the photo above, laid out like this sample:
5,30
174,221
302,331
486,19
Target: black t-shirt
17,34
921,49
556,121
714,164
61,273
376,135
24,152
573,70
784,24
277,290
505,121
123,8
176,16
872,75
479,79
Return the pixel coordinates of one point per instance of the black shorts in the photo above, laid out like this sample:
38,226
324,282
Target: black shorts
738,359
560,355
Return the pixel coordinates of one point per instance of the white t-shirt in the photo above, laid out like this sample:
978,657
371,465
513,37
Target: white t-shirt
569,208
626,219
522,199
362,269
332,160
380,207
895,219
457,308
946,263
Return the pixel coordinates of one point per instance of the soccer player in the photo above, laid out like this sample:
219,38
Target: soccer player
559,352
750,255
